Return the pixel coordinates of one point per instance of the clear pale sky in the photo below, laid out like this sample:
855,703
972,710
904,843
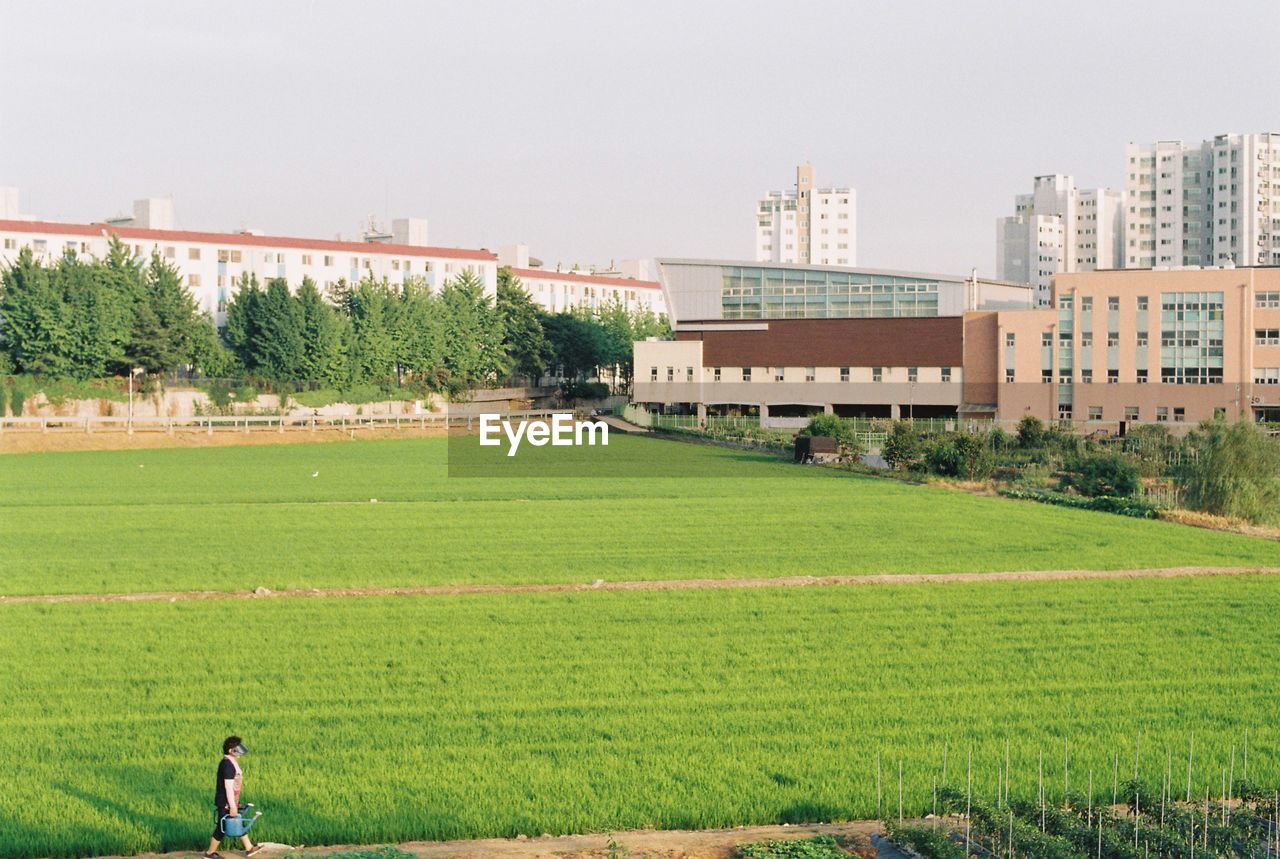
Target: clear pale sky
598,130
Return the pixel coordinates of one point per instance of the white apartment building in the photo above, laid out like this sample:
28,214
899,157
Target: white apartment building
1212,203
211,263
556,291
808,224
1059,228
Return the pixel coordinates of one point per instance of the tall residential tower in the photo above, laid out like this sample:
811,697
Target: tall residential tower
1058,228
1208,204
808,224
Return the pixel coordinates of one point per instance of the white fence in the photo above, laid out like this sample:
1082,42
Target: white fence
260,423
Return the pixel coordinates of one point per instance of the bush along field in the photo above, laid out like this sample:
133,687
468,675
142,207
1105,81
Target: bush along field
1229,470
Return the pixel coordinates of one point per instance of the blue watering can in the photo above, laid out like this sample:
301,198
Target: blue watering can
241,823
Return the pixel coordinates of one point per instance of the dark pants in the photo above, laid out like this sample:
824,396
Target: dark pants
219,812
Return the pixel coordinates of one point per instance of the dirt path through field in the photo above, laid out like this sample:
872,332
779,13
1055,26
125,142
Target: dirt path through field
648,843
671,585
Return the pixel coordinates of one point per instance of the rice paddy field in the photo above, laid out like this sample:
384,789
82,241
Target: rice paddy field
297,516
378,719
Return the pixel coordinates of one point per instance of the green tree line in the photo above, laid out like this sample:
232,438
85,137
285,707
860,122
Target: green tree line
87,319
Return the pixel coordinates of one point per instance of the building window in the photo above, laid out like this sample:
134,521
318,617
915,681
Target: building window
1113,377
1179,414
1142,302
193,253
653,374
688,374
946,374
1113,338
1086,377
1267,336
1086,303
1064,377
810,373
844,374
193,280
779,374
1142,338
1131,413
395,265
1008,376
10,244
328,260
671,374
306,259
877,374
1095,413
1046,339
1046,377
1009,339
1266,376
716,374
1263,299
913,374
1086,339
746,374
1113,302
1142,377
1162,414
1064,411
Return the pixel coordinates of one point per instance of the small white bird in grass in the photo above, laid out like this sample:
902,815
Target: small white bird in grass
315,474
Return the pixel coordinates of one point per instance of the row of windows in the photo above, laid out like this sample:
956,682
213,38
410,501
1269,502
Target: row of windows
779,374
226,255
1131,413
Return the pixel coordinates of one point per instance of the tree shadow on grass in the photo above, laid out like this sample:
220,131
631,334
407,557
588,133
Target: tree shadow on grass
180,817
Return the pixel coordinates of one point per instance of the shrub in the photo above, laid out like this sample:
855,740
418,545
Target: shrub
1103,503
903,447
841,430
962,455
1102,474
584,390
1031,432
821,847
1234,471
929,842
1152,447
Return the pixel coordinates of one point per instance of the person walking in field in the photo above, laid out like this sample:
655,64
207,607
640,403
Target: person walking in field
226,796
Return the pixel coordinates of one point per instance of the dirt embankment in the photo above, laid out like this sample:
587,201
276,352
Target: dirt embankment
670,585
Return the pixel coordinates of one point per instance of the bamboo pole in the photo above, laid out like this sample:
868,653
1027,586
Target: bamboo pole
899,791
1191,753
879,792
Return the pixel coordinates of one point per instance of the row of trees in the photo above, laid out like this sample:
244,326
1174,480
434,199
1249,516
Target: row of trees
89,319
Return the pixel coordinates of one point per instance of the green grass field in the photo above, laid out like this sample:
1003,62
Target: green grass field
378,719
240,518
384,718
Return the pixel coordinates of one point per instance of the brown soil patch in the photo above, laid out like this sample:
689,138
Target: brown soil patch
27,441
670,585
638,844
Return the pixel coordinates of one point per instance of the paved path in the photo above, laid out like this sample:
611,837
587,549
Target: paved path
671,585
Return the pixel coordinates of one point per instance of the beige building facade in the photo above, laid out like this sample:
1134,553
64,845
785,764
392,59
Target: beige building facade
1135,346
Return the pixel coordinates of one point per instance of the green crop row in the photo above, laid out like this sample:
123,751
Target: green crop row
385,719
302,516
